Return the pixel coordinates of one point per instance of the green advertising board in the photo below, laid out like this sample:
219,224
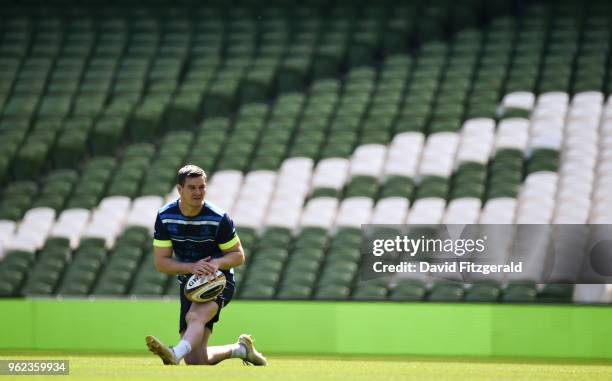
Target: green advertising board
553,331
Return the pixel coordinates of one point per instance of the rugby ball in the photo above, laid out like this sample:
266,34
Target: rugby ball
202,289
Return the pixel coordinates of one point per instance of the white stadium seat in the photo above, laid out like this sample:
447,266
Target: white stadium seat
223,188
254,198
498,211
23,243
368,160
70,224
391,210
439,154
427,211
512,133
118,205
476,141
148,203
354,211
320,212
462,211
404,154
520,99
588,98
143,211
7,229
331,173
553,99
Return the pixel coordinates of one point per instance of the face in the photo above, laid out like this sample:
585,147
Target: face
192,193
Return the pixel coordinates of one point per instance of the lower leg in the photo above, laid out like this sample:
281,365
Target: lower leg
219,353
203,355
199,314
194,332
195,335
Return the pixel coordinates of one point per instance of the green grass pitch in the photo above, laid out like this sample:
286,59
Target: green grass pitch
311,368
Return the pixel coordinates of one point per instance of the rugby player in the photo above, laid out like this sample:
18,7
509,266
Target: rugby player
204,240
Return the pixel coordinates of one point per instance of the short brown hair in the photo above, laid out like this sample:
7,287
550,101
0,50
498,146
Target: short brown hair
190,171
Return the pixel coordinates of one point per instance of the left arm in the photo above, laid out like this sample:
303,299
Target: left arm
232,257
229,244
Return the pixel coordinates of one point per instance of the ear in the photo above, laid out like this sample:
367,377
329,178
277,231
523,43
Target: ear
179,188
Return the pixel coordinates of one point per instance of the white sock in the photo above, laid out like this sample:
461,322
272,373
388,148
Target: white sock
238,351
181,349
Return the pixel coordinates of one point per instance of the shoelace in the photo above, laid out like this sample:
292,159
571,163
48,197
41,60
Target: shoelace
245,362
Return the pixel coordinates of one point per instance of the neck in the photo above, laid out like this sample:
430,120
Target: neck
188,210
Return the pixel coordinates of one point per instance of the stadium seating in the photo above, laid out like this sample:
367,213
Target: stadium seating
310,121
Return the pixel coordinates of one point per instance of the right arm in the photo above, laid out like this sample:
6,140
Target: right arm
162,252
164,263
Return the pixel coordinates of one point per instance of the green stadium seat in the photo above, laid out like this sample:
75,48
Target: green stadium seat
257,85
87,265
443,291
221,98
543,160
432,186
362,186
340,254
332,276
309,246
30,161
272,254
7,288
109,289
73,288
295,292
58,253
107,135
363,47
258,291
146,122
488,292
259,276
184,109
370,292
295,277
556,293
11,280
519,292
37,289
332,292
408,290
69,149
303,265
397,186
328,58
292,74
147,289
275,237
27,188
150,276
83,201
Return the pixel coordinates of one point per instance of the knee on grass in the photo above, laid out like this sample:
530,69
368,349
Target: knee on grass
191,360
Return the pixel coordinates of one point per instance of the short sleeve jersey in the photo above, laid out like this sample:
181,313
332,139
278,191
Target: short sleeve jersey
197,237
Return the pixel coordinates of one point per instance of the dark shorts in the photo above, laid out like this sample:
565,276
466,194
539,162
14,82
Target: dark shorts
222,301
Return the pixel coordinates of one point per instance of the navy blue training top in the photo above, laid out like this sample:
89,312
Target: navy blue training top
197,237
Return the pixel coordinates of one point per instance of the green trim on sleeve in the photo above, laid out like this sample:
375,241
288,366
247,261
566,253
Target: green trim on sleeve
230,243
160,243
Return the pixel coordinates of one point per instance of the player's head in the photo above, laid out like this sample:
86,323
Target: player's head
191,185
